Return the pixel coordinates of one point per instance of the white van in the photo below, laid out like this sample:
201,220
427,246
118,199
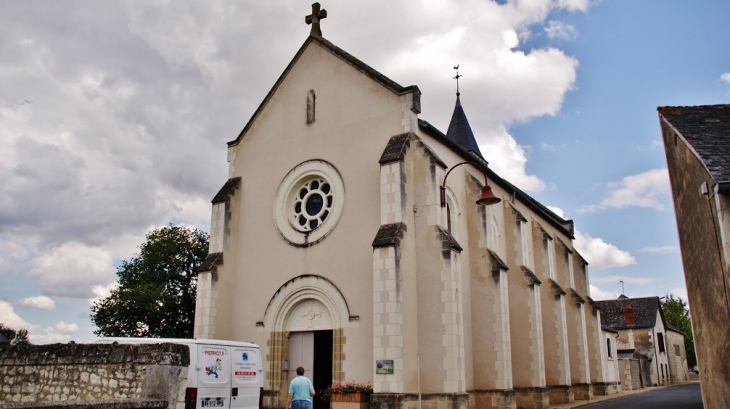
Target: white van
222,374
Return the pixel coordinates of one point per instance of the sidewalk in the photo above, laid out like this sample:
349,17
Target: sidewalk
586,403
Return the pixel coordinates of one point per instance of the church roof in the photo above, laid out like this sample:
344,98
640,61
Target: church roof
459,130
707,129
644,309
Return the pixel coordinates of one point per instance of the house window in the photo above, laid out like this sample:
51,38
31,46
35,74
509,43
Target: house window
660,341
676,350
608,347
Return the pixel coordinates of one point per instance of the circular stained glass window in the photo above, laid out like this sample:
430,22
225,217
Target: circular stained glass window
312,204
309,202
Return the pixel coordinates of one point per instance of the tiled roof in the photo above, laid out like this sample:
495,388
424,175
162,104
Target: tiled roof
228,189
459,130
389,235
645,310
707,129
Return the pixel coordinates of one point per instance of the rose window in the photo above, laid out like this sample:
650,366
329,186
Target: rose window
312,204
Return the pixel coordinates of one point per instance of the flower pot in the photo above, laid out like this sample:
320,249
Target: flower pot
350,401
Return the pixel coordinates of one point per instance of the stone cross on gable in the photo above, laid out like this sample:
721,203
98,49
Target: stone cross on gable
314,18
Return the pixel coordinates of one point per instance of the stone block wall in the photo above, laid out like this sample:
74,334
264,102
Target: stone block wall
89,374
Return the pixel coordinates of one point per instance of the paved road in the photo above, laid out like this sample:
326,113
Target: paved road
687,396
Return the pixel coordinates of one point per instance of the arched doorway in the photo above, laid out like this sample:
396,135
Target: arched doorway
309,325
304,321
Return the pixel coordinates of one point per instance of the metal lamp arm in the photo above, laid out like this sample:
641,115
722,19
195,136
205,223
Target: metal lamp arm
443,185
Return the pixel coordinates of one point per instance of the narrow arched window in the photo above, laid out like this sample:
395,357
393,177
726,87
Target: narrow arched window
448,217
311,106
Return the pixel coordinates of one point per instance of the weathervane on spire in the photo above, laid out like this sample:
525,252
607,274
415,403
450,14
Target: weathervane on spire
314,18
457,79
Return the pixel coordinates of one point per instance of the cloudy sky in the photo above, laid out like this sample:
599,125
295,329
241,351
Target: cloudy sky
114,117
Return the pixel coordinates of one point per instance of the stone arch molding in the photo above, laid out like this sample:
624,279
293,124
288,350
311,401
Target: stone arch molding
307,303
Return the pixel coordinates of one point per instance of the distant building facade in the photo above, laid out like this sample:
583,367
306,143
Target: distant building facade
641,332
677,354
697,146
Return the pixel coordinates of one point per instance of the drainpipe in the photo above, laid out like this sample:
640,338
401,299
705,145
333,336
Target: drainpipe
418,370
656,355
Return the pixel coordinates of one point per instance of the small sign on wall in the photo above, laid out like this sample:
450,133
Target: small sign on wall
384,367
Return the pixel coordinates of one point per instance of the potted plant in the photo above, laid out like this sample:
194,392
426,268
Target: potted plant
348,395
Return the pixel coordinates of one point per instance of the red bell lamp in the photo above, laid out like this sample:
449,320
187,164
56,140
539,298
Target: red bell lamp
488,198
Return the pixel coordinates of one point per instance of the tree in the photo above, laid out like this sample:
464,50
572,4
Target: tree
15,337
155,296
677,315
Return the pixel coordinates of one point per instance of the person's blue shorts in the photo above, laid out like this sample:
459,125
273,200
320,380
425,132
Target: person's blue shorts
301,404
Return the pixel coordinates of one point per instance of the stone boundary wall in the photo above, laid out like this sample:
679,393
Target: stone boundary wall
93,375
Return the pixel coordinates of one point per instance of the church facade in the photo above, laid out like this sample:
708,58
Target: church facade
347,240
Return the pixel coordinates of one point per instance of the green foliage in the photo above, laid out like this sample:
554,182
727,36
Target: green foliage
16,337
677,315
157,288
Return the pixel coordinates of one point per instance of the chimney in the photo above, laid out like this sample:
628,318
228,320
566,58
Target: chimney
629,314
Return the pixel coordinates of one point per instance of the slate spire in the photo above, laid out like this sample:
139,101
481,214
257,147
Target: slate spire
460,131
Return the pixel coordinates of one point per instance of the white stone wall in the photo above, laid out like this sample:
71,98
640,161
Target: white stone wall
503,348
205,306
392,193
218,221
562,325
452,319
387,319
537,346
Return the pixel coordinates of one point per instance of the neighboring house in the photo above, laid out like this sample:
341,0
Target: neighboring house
697,145
4,339
611,365
677,354
339,244
641,331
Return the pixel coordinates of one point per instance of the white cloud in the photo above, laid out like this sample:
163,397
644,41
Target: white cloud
649,189
13,254
599,295
680,292
60,332
558,29
548,147
601,255
102,291
64,327
508,159
72,269
581,5
659,250
626,279
40,302
10,319
725,77
556,210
